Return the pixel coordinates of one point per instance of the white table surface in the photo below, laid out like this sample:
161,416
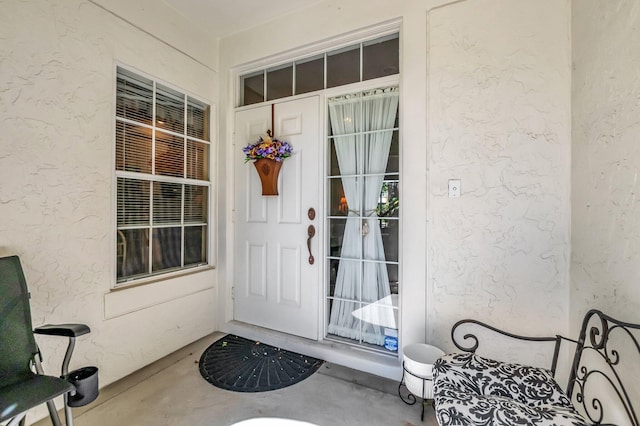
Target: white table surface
272,421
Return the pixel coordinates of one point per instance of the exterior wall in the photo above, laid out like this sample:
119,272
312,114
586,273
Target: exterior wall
485,98
56,193
605,233
499,120
166,25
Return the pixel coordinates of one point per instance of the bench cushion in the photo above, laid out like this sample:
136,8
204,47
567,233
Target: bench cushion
472,390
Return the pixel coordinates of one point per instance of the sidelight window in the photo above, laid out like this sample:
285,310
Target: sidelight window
362,299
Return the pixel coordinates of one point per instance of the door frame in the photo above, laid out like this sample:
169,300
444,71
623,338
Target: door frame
226,292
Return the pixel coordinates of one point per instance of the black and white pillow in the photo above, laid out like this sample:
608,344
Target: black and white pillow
472,390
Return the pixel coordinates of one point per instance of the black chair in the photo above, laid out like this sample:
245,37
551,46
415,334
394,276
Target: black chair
21,388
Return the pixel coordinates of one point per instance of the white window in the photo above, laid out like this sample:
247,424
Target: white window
363,221
162,171
358,62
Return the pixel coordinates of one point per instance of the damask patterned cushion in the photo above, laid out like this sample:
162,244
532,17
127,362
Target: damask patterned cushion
471,390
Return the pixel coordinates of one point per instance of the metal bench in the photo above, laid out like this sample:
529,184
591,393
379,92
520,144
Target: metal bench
603,385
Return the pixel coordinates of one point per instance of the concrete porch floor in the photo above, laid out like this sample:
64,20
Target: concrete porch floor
172,392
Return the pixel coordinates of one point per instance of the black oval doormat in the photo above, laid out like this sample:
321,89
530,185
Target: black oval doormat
241,365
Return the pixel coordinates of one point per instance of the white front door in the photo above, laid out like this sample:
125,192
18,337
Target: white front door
276,286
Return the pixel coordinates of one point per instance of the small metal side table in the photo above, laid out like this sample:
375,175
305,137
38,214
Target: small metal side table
417,376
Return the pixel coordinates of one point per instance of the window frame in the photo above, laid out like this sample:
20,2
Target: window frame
317,51
359,87
208,233
323,51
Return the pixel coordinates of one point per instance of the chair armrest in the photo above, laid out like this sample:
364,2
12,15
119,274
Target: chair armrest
66,330
462,340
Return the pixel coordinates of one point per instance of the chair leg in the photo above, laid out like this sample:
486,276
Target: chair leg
53,413
68,415
19,419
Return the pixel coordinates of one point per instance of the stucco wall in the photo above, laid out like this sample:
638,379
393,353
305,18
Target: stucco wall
57,82
165,23
499,120
605,272
484,98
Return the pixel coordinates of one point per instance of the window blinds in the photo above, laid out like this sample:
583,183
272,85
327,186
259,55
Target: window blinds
162,170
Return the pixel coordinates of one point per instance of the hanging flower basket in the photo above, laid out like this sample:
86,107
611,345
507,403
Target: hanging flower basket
268,170
268,154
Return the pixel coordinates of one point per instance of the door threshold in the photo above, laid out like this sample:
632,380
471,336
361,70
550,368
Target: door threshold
337,353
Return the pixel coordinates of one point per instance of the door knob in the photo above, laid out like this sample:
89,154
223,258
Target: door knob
311,231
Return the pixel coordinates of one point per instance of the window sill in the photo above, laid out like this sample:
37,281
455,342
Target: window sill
152,279
142,295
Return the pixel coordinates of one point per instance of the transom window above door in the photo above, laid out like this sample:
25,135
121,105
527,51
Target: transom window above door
366,60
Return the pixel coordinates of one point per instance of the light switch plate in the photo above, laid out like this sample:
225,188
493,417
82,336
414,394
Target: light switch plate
454,188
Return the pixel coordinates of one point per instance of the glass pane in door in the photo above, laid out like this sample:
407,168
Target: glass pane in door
363,218
310,75
252,88
343,66
280,82
380,57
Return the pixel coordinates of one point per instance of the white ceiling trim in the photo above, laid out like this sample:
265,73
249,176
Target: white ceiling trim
334,43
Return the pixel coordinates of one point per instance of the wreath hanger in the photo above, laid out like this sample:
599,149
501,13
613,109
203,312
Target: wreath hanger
271,131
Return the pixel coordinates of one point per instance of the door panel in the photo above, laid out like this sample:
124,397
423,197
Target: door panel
257,268
289,201
276,287
289,276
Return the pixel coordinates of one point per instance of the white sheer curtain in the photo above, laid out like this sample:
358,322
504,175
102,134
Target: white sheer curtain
362,126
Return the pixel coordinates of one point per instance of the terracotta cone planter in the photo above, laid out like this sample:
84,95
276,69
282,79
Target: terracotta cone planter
268,170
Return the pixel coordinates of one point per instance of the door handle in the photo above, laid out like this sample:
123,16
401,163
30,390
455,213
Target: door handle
311,231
